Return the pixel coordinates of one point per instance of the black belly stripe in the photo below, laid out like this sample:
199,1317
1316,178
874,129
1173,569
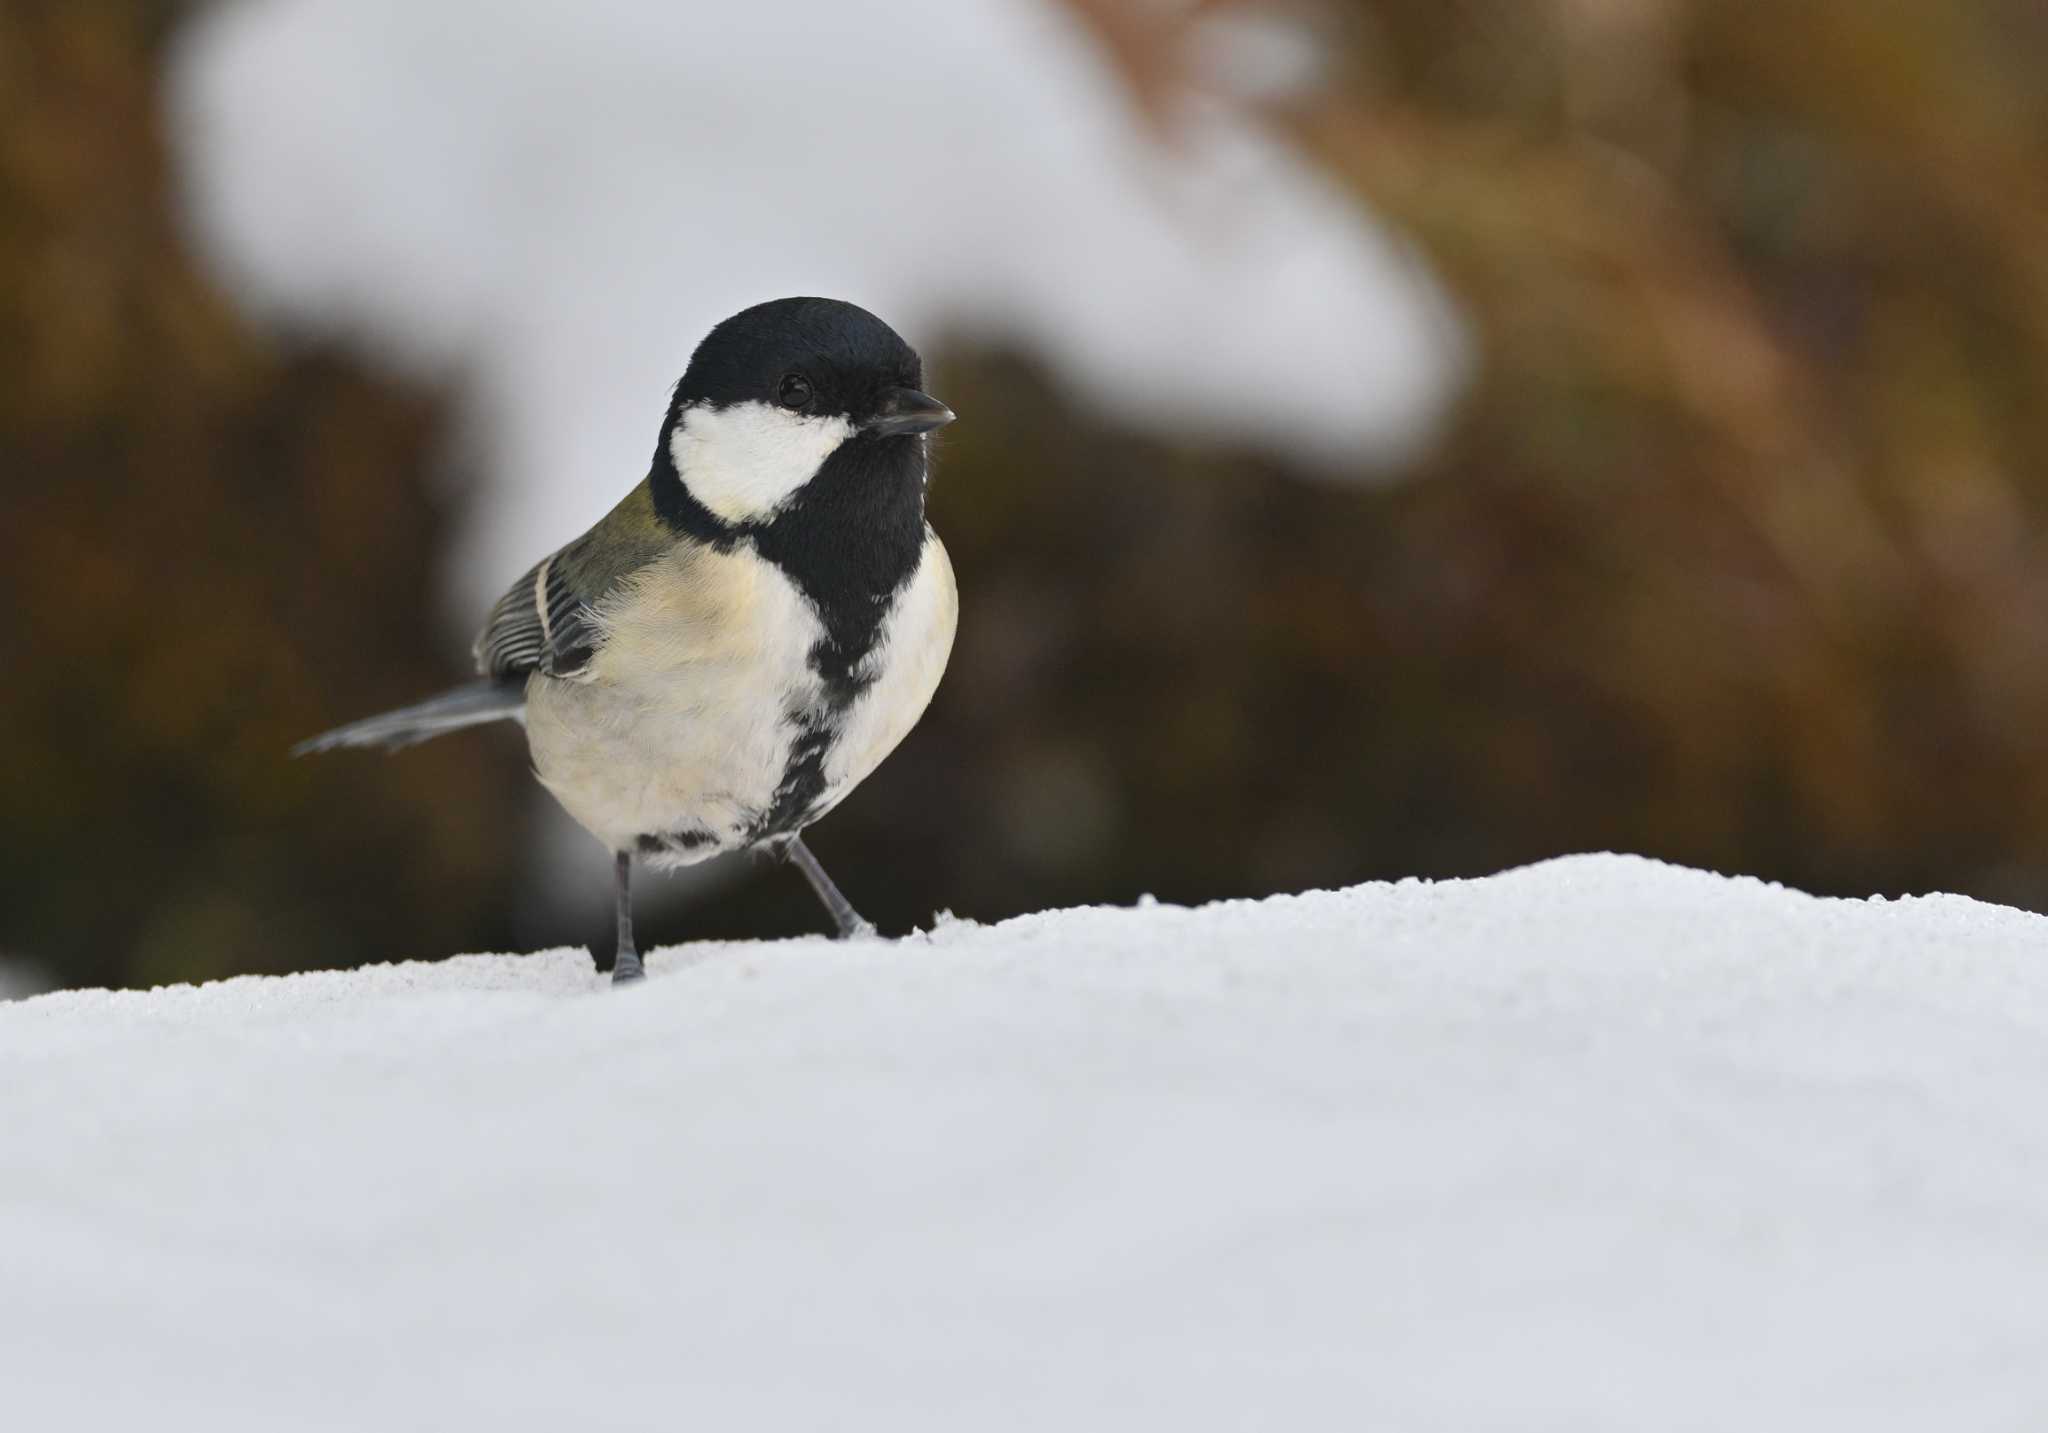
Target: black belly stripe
802,785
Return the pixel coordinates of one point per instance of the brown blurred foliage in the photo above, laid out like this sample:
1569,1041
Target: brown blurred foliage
209,546
1734,555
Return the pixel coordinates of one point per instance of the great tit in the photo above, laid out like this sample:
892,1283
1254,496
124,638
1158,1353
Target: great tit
734,647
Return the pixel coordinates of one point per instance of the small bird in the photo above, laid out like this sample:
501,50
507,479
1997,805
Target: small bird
735,646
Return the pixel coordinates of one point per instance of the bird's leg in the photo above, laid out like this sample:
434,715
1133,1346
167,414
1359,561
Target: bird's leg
843,914
626,966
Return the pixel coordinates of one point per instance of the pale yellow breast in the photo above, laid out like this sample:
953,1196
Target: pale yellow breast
683,722
699,607
685,719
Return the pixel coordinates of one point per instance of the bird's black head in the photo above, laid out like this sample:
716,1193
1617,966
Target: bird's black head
812,357
791,392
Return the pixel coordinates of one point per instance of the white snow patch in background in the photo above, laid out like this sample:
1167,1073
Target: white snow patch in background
1599,1144
557,201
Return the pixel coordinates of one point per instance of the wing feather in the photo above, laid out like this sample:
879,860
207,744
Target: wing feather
546,622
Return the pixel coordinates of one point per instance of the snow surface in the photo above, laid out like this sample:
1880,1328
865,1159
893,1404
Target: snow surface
1599,1144
555,202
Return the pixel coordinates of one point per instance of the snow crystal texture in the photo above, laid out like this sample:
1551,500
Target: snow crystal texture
1599,1144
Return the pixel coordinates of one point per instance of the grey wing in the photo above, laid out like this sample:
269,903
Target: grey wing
547,621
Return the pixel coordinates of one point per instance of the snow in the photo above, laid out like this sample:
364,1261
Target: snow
1598,1144
553,203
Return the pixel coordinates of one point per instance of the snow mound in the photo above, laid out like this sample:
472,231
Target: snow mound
1599,1144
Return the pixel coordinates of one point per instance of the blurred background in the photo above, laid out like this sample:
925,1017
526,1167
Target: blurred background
1399,437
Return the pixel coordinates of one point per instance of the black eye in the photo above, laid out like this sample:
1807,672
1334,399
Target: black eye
794,391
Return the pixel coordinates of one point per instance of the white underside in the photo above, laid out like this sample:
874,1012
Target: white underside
684,722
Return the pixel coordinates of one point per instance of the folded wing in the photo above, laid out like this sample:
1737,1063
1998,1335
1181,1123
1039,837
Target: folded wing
547,621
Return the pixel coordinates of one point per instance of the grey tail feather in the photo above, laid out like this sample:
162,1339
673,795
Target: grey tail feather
471,704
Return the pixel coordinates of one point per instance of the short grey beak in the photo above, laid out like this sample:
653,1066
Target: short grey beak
906,410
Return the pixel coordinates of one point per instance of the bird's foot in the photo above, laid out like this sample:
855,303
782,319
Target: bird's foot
627,969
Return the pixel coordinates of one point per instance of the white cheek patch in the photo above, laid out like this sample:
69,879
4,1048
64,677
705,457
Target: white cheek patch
746,461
